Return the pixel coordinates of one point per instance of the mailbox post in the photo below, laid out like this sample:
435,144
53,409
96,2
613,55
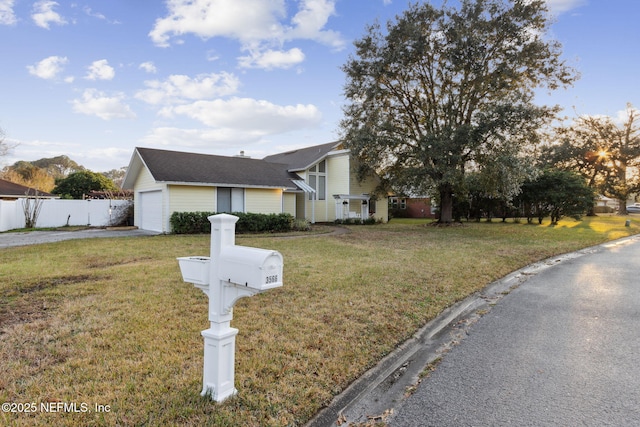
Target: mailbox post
230,273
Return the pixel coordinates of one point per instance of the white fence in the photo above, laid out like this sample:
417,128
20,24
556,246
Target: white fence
58,213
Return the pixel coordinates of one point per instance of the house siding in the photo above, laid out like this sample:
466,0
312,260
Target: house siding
184,198
264,201
367,186
289,204
145,182
338,177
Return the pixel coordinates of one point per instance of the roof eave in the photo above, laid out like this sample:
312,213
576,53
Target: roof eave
221,184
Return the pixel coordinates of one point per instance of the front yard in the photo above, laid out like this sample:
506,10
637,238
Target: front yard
106,331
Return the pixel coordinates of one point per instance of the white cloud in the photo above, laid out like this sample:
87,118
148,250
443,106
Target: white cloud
310,21
181,88
149,67
260,26
258,118
100,70
48,68
271,59
43,14
96,103
7,17
557,7
622,116
243,20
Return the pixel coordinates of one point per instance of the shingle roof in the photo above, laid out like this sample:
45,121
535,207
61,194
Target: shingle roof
303,158
181,167
11,189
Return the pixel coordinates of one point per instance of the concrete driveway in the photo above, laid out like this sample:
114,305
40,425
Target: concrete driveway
35,237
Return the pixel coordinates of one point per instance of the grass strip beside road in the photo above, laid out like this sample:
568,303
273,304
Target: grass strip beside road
109,321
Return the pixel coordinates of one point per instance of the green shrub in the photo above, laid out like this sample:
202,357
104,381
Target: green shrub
190,222
198,222
301,225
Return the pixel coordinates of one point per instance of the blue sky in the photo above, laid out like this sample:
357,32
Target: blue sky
93,79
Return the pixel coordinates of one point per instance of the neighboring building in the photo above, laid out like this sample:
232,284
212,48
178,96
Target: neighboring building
411,207
12,191
311,183
607,205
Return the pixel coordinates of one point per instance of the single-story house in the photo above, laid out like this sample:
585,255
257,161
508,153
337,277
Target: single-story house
315,183
12,191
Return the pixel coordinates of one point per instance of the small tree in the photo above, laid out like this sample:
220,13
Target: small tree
5,147
31,207
77,184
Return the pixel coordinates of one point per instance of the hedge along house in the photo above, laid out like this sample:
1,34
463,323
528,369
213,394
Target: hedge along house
165,181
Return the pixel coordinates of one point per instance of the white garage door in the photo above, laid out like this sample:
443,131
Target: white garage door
151,211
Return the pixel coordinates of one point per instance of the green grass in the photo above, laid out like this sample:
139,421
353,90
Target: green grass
110,322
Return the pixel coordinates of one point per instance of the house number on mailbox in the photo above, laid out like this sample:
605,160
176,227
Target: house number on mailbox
272,279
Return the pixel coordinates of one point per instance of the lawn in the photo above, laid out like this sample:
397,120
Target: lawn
109,321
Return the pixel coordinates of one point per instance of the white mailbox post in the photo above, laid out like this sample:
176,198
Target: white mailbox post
230,273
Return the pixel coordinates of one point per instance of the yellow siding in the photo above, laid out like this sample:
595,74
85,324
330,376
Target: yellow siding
184,198
324,210
337,183
266,201
365,187
145,181
289,203
337,175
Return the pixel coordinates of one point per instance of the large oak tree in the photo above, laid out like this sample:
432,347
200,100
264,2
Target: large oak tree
444,91
604,152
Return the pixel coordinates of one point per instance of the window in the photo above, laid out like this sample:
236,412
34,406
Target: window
230,199
397,203
317,180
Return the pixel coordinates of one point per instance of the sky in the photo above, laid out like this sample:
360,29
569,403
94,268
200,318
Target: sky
94,79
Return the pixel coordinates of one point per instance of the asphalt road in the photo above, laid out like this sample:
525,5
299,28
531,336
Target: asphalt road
562,349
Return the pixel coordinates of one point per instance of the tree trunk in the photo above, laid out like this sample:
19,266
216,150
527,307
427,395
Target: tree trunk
446,205
622,207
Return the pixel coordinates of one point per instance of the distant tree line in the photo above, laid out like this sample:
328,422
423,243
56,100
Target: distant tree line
62,176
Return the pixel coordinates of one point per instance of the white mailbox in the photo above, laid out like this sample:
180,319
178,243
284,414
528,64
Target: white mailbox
230,273
255,268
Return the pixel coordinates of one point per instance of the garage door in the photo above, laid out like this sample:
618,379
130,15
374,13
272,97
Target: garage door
151,211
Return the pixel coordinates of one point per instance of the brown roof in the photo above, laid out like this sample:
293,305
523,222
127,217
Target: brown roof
11,189
181,167
297,160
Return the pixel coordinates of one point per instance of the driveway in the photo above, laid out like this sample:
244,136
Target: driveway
34,237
